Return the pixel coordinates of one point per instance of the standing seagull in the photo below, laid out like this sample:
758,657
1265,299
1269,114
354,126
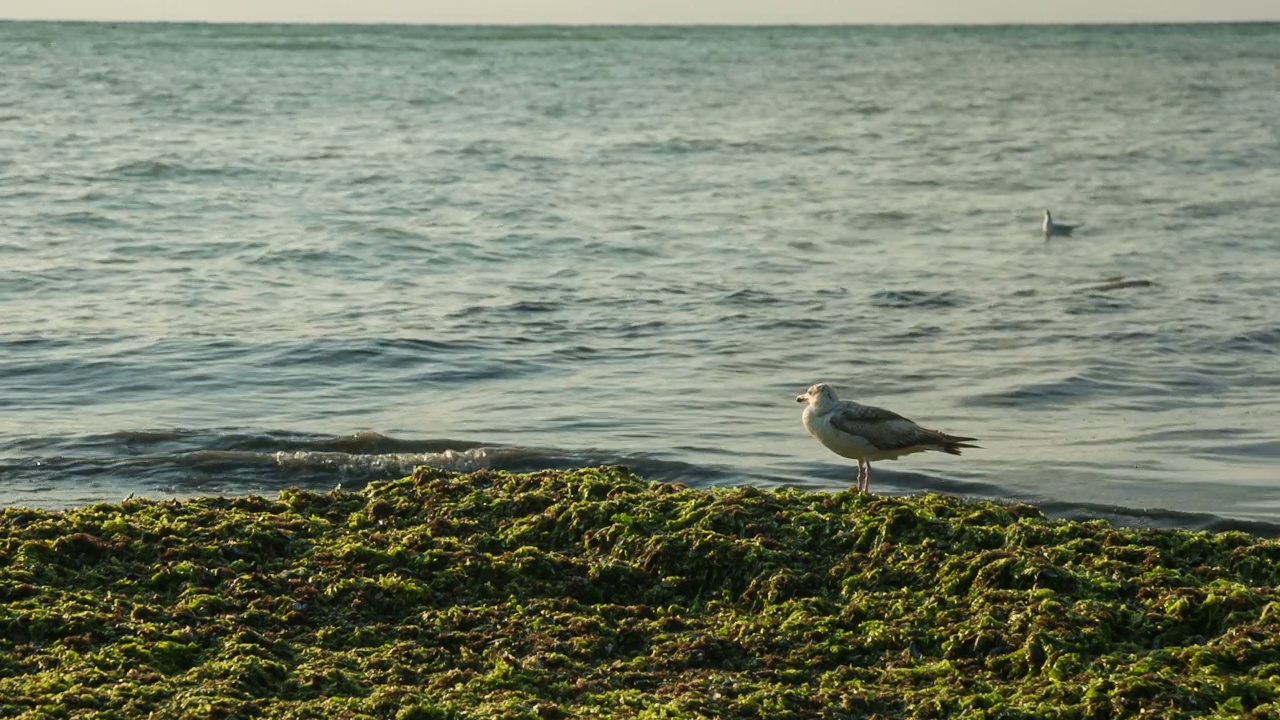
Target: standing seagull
868,433
1054,229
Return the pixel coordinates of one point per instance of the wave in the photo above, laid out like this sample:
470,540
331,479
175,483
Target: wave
64,471
67,471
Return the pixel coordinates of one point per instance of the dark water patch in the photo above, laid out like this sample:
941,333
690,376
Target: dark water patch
1122,337
518,308
67,372
327,261
831,292
642,329
577,352
804,323
424,345
1265,340
51,342
820,149
86,218
695,146
119,443
868,109
327,354
367,179
20,194
564,273
892,217
466,51
329,154
633,301
90,196
920,332
917,299
1261,450
1210,209
618,251
751,296
469,311
132,252
1117,283
482,148
540,331
171,169
525,307
917,182
1097,303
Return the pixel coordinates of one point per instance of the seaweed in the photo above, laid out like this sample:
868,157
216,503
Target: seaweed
593,592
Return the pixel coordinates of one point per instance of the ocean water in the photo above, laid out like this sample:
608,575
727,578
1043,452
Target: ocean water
239,258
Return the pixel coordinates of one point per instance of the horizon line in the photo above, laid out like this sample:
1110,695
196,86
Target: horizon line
563,24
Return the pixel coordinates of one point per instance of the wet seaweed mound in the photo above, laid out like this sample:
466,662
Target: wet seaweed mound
593,592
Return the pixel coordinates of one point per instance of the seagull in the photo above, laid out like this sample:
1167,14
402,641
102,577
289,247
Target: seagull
1053,229
868,433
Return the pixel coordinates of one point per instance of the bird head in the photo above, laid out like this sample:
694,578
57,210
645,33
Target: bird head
819,394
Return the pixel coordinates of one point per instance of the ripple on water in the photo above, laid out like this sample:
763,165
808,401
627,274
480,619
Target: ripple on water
1049,394
917,299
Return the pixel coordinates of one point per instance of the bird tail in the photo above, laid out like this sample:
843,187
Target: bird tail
952,444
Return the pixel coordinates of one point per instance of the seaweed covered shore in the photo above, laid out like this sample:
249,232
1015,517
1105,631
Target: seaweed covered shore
593,593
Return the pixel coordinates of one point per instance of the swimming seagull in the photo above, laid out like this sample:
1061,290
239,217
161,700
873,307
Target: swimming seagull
1055,229
868,433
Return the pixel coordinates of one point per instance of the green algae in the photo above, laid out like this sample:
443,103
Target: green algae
594,593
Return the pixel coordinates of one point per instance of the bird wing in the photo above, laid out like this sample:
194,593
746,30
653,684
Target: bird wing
853,412
887,430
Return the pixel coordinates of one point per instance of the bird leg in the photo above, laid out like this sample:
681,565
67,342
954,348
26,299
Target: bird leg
862,473
866,479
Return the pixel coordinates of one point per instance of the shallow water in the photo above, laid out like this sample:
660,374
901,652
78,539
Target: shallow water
236,258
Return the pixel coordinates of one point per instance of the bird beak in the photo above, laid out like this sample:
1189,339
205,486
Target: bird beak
802,398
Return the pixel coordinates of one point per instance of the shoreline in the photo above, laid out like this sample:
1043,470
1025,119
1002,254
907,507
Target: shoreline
593,591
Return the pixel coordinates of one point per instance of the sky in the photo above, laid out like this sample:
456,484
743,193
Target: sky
647,11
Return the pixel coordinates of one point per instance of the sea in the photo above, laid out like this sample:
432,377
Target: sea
240,258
